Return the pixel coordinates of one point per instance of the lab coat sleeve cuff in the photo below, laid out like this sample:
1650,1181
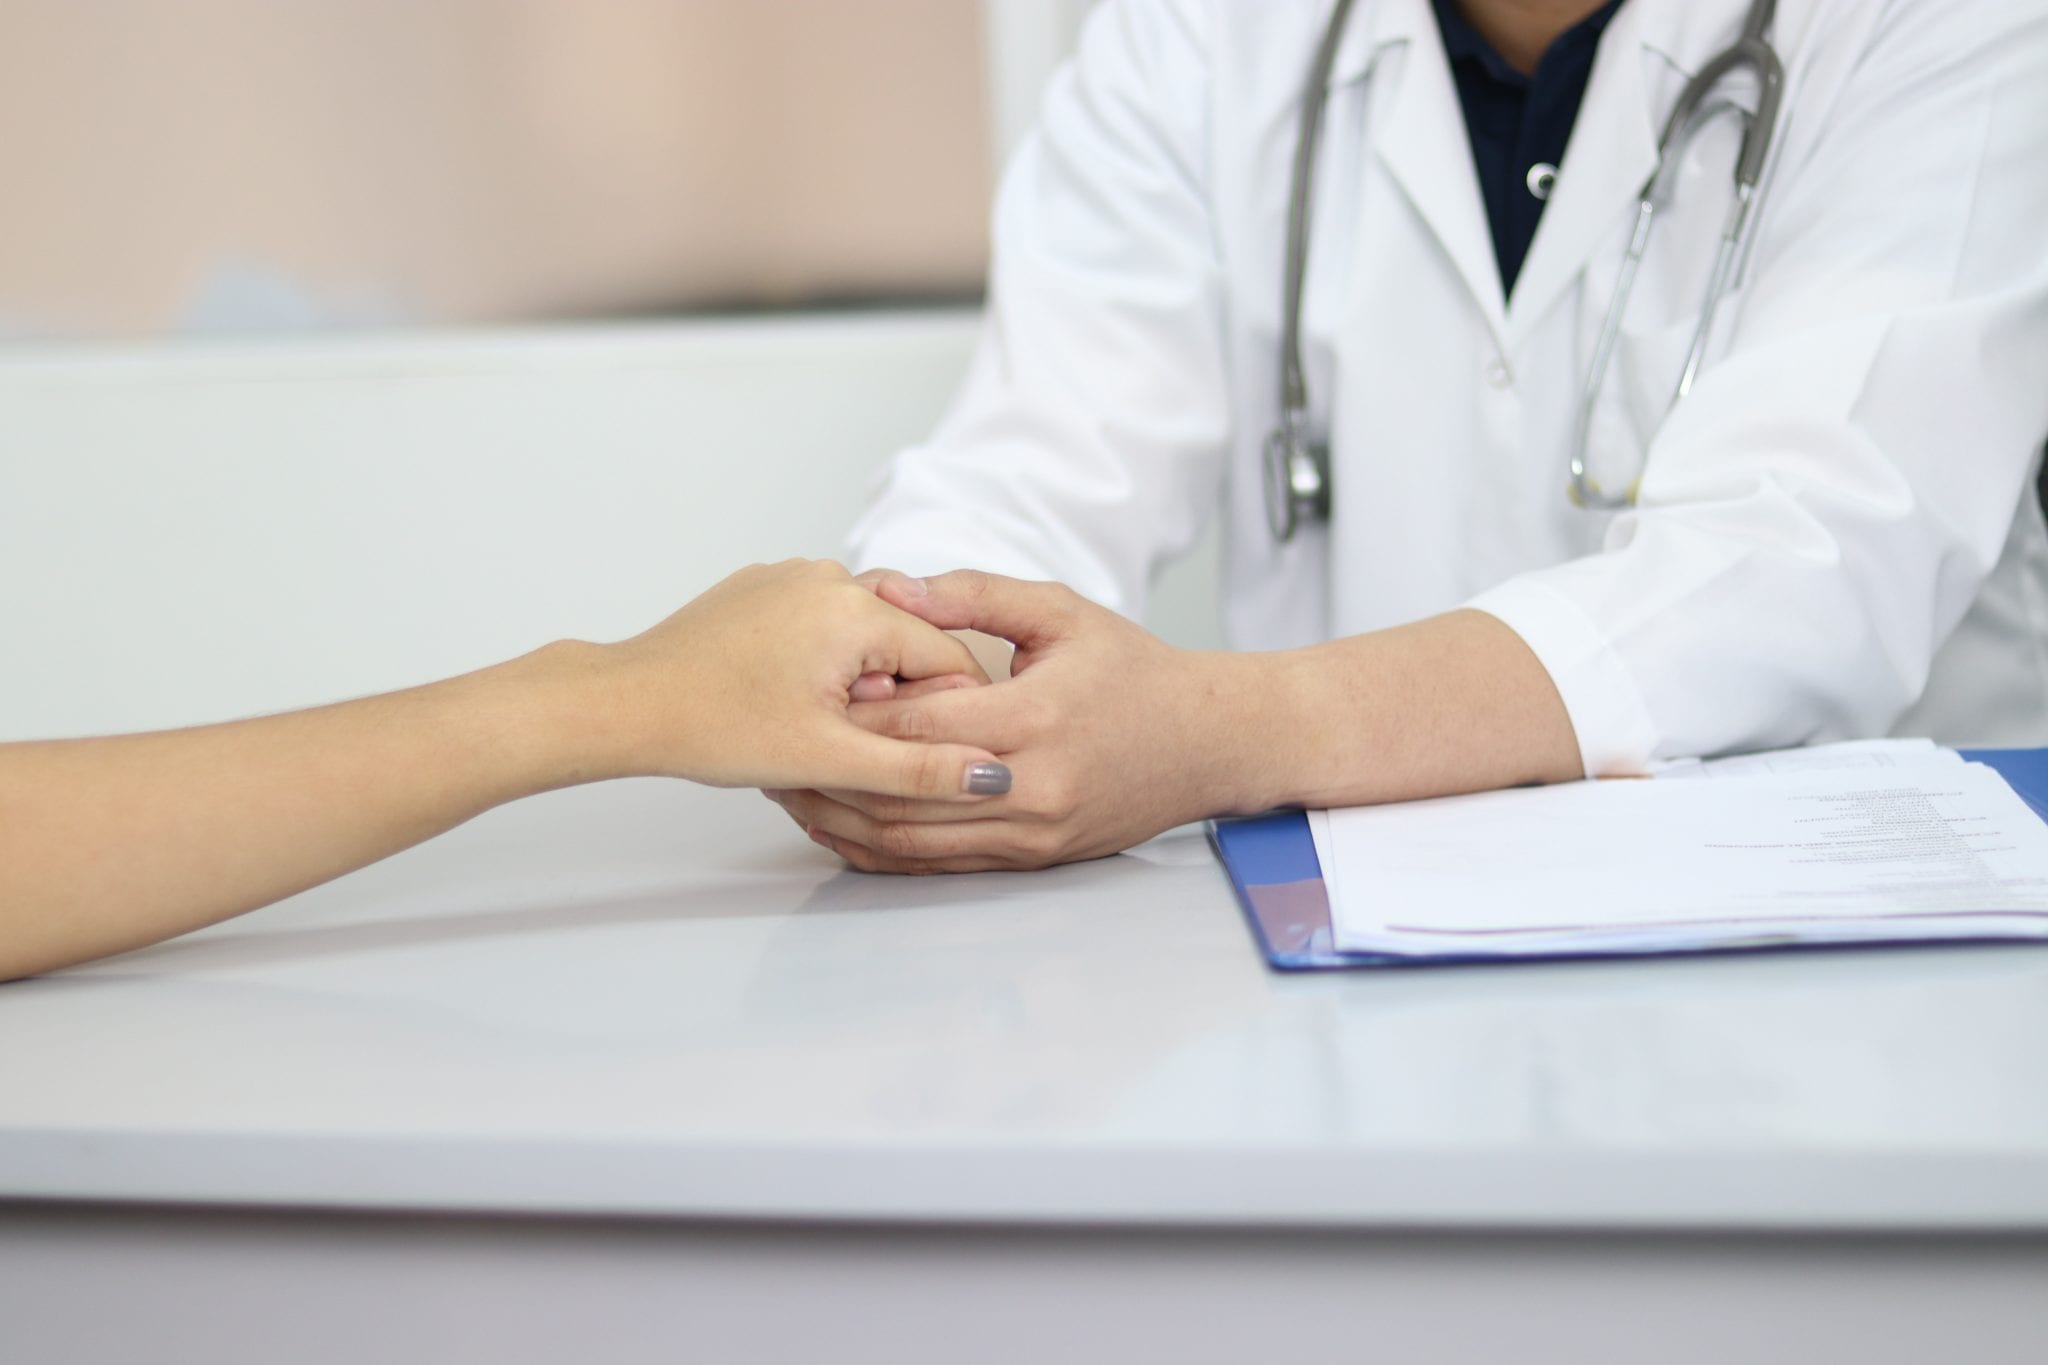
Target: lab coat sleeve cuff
1616,735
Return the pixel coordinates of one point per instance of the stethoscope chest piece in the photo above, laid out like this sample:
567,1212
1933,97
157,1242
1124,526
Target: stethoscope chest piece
1297,482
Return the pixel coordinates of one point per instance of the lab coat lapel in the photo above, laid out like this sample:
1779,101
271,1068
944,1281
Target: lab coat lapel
1609,159
1426,150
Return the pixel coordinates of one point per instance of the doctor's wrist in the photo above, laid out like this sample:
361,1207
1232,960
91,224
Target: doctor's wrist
1452,703
1307,718
1243,731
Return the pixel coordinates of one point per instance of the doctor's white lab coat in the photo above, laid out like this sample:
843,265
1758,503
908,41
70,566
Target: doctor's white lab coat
1836,534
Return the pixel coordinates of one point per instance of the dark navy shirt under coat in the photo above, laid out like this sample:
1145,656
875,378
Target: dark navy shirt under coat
1517,122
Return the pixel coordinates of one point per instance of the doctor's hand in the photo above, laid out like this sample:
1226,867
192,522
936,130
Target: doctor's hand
992,656
1112,735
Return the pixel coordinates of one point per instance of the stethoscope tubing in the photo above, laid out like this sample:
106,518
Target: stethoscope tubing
1297,465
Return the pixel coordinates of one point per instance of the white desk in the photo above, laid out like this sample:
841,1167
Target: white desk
637,1065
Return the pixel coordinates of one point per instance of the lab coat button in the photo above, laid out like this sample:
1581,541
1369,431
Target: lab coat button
1499,375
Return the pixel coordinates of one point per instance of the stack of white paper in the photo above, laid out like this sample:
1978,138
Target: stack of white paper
1867,842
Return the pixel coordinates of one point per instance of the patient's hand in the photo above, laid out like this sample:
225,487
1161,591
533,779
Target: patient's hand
751,684
1112,734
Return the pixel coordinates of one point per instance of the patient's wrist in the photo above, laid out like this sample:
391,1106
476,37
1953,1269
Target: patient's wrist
556,717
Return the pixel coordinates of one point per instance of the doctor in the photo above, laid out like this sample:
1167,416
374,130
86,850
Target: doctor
1825,536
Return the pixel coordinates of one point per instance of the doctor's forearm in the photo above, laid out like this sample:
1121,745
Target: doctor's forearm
1454,703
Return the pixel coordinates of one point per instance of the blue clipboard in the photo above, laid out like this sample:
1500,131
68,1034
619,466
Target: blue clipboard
1272,864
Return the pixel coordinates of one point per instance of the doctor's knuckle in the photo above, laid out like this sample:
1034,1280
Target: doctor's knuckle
1040,847
855,856
907,721
900,841
886,808
1036,714
1055,797
921,772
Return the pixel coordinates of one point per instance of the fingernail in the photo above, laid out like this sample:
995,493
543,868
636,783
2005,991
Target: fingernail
820,838
917,587
772,795
872,687
986,779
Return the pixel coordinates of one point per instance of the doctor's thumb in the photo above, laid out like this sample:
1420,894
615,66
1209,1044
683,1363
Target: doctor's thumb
968,599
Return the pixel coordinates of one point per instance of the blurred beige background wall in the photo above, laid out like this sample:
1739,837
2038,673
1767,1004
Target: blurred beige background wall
182,165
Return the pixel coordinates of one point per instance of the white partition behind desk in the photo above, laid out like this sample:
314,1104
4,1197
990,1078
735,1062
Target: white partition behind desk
198,531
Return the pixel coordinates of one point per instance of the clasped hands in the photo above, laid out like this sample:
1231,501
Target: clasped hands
1110,734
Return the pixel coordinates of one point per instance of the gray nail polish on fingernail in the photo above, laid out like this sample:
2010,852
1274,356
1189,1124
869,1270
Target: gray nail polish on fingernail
987,779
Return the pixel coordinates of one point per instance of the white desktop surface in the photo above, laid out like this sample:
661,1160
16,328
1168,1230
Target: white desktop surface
656,999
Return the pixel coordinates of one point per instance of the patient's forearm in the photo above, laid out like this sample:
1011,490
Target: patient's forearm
107,844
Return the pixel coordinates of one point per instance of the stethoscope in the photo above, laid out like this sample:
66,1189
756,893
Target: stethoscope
1298,466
